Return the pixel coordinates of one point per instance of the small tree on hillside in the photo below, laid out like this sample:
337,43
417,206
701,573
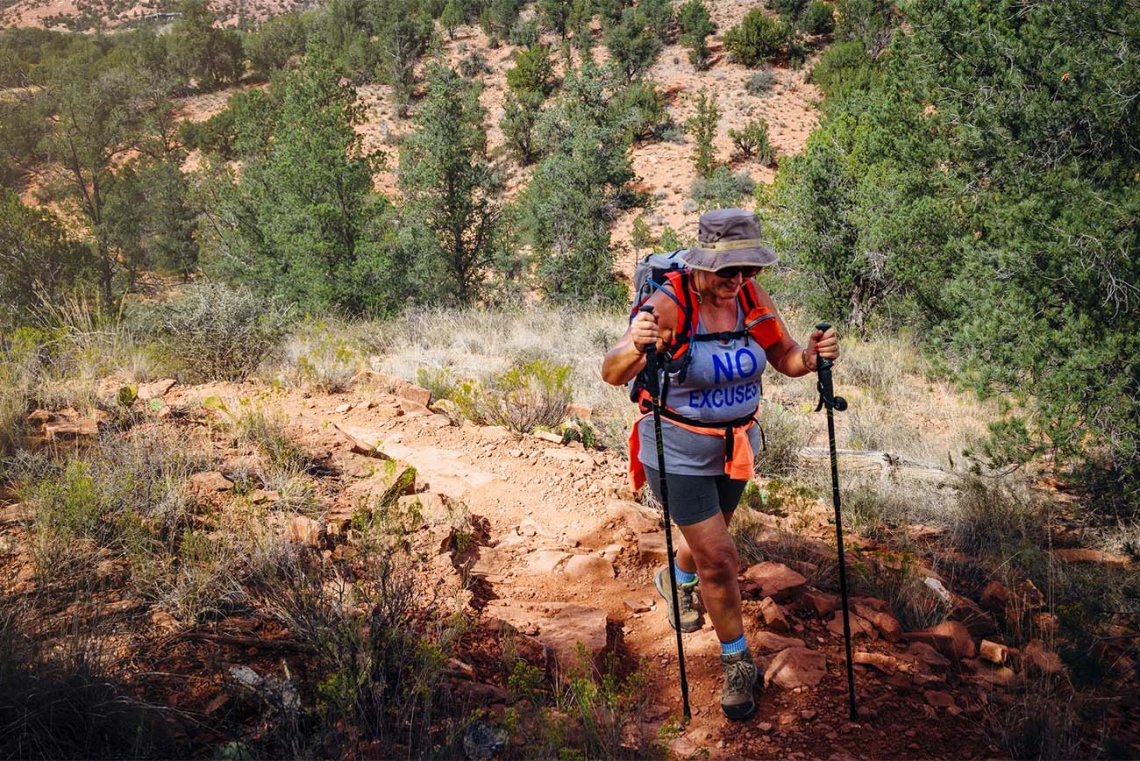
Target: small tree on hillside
533,71
451,190
213,57
696,25
521,112
37,257
555,15
633,43
756,39
702,126
752,140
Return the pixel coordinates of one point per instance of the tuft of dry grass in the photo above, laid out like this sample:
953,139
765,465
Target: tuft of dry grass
478,344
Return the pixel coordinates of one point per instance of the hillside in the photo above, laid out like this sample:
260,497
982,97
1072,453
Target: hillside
532,555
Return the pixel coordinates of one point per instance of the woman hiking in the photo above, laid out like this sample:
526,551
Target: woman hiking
719,330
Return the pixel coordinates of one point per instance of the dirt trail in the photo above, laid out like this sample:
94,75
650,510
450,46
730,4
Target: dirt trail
567,560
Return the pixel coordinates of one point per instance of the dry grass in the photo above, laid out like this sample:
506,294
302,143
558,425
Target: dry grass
478,344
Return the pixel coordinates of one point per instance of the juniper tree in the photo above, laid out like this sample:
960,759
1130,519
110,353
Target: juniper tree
452,209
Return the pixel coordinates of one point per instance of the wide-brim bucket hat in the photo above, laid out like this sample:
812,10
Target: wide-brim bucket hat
729,238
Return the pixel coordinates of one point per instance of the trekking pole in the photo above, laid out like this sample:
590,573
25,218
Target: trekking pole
828,400
654,384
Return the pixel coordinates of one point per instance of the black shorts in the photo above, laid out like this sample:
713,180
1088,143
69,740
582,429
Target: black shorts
693,499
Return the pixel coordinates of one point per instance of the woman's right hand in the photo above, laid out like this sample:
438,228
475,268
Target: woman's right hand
644,331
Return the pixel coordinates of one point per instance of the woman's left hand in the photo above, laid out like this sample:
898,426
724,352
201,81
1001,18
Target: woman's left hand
822,344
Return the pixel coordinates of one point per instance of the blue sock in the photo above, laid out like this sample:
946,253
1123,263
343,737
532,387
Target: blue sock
684,577
732,648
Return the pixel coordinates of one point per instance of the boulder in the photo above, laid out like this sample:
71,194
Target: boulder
993,652
859,625
651,548
999,676
994,598
950,638
589,569
210,481
362,441
882,662
767,642
774,617
967,612
1093,557
927,656
306,531
939,699
774,580
561,627
796,667
634,515
547,561
155,390
885,624
820,603
1037,658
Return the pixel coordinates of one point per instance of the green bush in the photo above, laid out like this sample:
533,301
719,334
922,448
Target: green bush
530,395
818,18
533,71
322,359
756,39
215,332
752,140
524,33
474,64
126,498
723,190
640,106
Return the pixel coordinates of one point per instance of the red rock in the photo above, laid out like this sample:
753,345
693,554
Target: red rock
306,531
885,624
210,481
950,638
39,417
773,616
858,624
71,429
651,548
580,411
767,642
1000,676
820,603
939,699
969,614
796,667
775,580
994,598
882,662
1094,557
589,569
634,515
155,390
1039,659
993,652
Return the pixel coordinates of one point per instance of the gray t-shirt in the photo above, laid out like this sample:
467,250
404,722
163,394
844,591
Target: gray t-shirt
722,384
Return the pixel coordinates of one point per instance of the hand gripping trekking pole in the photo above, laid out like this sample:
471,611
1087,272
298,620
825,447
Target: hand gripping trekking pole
656,368
828,400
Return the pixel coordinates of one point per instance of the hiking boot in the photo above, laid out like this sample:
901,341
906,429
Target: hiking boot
740,677
686,598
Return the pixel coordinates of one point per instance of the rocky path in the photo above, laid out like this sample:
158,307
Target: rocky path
568,557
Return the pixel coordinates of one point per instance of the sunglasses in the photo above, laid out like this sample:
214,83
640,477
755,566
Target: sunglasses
730,273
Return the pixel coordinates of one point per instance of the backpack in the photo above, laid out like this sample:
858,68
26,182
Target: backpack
669,274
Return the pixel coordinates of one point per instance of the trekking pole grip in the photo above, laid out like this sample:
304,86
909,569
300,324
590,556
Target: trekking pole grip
827,397
652,361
